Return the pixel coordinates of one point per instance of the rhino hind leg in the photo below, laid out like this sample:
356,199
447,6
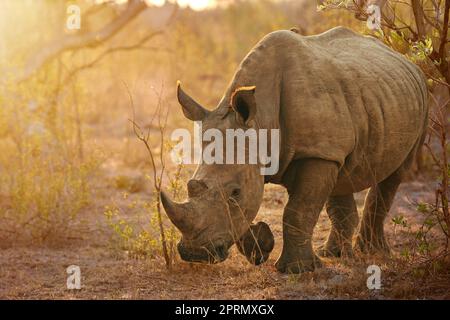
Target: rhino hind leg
378,202
310,182
343,214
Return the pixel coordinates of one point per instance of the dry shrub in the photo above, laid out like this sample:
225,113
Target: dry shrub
157,238
44,179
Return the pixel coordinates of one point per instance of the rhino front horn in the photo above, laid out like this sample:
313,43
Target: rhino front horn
178,213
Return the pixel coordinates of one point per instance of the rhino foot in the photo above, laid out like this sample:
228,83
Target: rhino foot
335,251
296,265
325,252
372,245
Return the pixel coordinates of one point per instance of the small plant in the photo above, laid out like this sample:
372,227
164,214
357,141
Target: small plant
145,240
137,243
159,236
425,247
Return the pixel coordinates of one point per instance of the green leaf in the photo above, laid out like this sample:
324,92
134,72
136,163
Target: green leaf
422,207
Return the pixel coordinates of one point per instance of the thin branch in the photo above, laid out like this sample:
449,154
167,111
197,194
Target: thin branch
419,18
157,179
107,52
137,46
74,42
444,33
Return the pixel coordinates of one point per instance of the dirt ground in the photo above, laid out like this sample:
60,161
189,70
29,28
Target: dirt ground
39,272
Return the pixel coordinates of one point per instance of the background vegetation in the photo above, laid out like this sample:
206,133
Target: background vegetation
73,171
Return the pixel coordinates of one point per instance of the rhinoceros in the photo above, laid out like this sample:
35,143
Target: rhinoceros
352,114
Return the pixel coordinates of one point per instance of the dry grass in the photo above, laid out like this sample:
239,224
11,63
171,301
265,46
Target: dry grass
109,273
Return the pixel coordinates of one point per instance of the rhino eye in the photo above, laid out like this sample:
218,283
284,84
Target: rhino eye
236,193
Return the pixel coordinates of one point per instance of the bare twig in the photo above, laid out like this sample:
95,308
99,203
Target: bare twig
157,178
443,67
419,18
107,52
136,46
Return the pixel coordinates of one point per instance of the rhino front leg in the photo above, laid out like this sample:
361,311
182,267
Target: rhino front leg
343,214
309,184
377,204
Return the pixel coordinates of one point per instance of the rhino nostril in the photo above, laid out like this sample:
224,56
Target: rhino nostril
221,252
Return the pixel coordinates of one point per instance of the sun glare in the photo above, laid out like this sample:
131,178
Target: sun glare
193,4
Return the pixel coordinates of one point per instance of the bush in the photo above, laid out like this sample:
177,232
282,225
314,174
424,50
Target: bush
44,180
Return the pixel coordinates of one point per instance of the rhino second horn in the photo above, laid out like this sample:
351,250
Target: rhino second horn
178,213
191,109
196,188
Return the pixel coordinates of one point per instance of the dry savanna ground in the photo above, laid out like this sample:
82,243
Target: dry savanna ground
39,272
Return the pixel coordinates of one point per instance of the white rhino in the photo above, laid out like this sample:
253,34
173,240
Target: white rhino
352,114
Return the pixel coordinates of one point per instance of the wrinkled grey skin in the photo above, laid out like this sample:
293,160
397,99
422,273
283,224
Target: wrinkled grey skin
352,115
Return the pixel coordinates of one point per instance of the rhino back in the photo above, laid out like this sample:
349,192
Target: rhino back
338,96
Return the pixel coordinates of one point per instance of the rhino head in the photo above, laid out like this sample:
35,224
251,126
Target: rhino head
223,199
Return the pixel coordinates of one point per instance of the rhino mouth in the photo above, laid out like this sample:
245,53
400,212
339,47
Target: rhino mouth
211,254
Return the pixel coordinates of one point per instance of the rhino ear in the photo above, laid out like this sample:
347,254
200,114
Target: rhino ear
191,109
257,243
244,104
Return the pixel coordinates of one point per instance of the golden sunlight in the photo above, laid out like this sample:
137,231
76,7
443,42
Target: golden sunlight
193,4
197,5
224,149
